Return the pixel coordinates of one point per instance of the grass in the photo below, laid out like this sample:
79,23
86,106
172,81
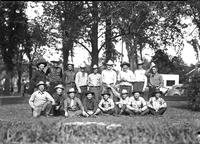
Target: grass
177,126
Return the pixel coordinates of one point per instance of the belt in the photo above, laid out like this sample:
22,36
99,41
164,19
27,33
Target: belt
95,86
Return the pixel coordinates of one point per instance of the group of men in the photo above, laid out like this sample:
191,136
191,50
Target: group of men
68,93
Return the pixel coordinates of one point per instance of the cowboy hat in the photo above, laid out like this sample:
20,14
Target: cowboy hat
71,90
82,65
70,63
95,67
140,62
89,92
40,83
125,63
105,93
158,91
124,91
110,63
136,91
59,86
41,61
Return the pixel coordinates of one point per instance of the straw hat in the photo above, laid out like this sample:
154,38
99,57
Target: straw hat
41,61
71,90
59,86
40,83
110,63
95,67
124,91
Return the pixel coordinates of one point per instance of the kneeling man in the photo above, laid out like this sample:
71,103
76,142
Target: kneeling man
156,104
73,105
106,105
41,101
137,105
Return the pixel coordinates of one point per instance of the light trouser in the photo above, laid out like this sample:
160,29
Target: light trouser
43,109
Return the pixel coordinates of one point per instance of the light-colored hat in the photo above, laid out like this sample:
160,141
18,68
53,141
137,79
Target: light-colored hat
70,63
125,63
56,60
95,67
140,62
82,65
71,90
124,91
59,86
41,61
40,83
110,62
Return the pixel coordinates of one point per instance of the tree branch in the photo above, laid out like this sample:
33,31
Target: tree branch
83,46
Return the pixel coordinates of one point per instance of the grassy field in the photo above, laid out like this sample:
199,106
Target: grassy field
178,125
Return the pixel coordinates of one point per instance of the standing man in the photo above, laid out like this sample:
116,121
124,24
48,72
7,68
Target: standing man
109,77
41,101
38,75
94,83
125,78
155,79
81,81
69,77
54,75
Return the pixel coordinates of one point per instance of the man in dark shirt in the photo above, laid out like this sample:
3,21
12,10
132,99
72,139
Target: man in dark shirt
89,104
38,75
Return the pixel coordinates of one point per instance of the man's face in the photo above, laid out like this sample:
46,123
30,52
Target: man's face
95,71
154,70
41,87
71,95
106,96
41,66
139,66
82,69
109,67
55,64
125,67
158,95
136,95
89,96
124,95
59,91
69,67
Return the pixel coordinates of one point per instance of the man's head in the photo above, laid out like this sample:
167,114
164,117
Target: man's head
71,93
41,86
157,93
106,95
109,65
70,66
95,69
154,69
125,66
41,64
124,93
89,95
82,67
55,63
136,94
59,89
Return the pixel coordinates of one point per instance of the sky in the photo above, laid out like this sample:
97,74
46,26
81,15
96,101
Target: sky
81,55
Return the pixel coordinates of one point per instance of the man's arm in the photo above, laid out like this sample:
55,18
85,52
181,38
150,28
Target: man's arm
161,81
31,100
80,104
50,98
144,103
112,105
85,105
77,82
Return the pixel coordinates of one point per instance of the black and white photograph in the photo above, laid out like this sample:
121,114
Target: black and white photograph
100,72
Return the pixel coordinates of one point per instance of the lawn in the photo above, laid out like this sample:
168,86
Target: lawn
178,125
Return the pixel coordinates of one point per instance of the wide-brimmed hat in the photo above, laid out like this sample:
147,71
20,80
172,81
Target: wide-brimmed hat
110,63
82,65
40,83
95,67
124,91
157,91
59,86
136,91
71,90
140,62
89,92
41,61
125,63
70,63
105,93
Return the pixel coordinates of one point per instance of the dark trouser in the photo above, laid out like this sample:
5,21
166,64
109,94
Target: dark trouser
159,112
132,112
128,88
121,110
57,112
151,91
83,92
97,91
110,112
138,86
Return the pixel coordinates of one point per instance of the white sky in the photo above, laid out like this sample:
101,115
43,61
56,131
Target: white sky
81,55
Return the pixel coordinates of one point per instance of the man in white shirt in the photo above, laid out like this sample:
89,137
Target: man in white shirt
41,101
94,83
109,77
125,78
81,81
137,105
156,104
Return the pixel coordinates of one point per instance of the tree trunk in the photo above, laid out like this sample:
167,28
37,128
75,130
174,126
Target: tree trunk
108,40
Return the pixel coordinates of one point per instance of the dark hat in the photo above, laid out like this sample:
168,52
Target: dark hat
125,63
89,92
158,91
71,90
40,83
55,61
41,61
137,91
105,93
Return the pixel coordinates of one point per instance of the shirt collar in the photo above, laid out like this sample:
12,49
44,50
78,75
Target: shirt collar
40,92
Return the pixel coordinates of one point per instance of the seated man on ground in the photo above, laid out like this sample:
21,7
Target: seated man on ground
156,104
137,105
121,105
73,105
59,97
41,101
106,105
89,104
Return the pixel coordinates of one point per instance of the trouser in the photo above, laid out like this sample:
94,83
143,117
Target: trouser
138,86
42,110
74,113
57,112
159,112
127,87
121,110
83,92
132,112
68,86
110,112
97,91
